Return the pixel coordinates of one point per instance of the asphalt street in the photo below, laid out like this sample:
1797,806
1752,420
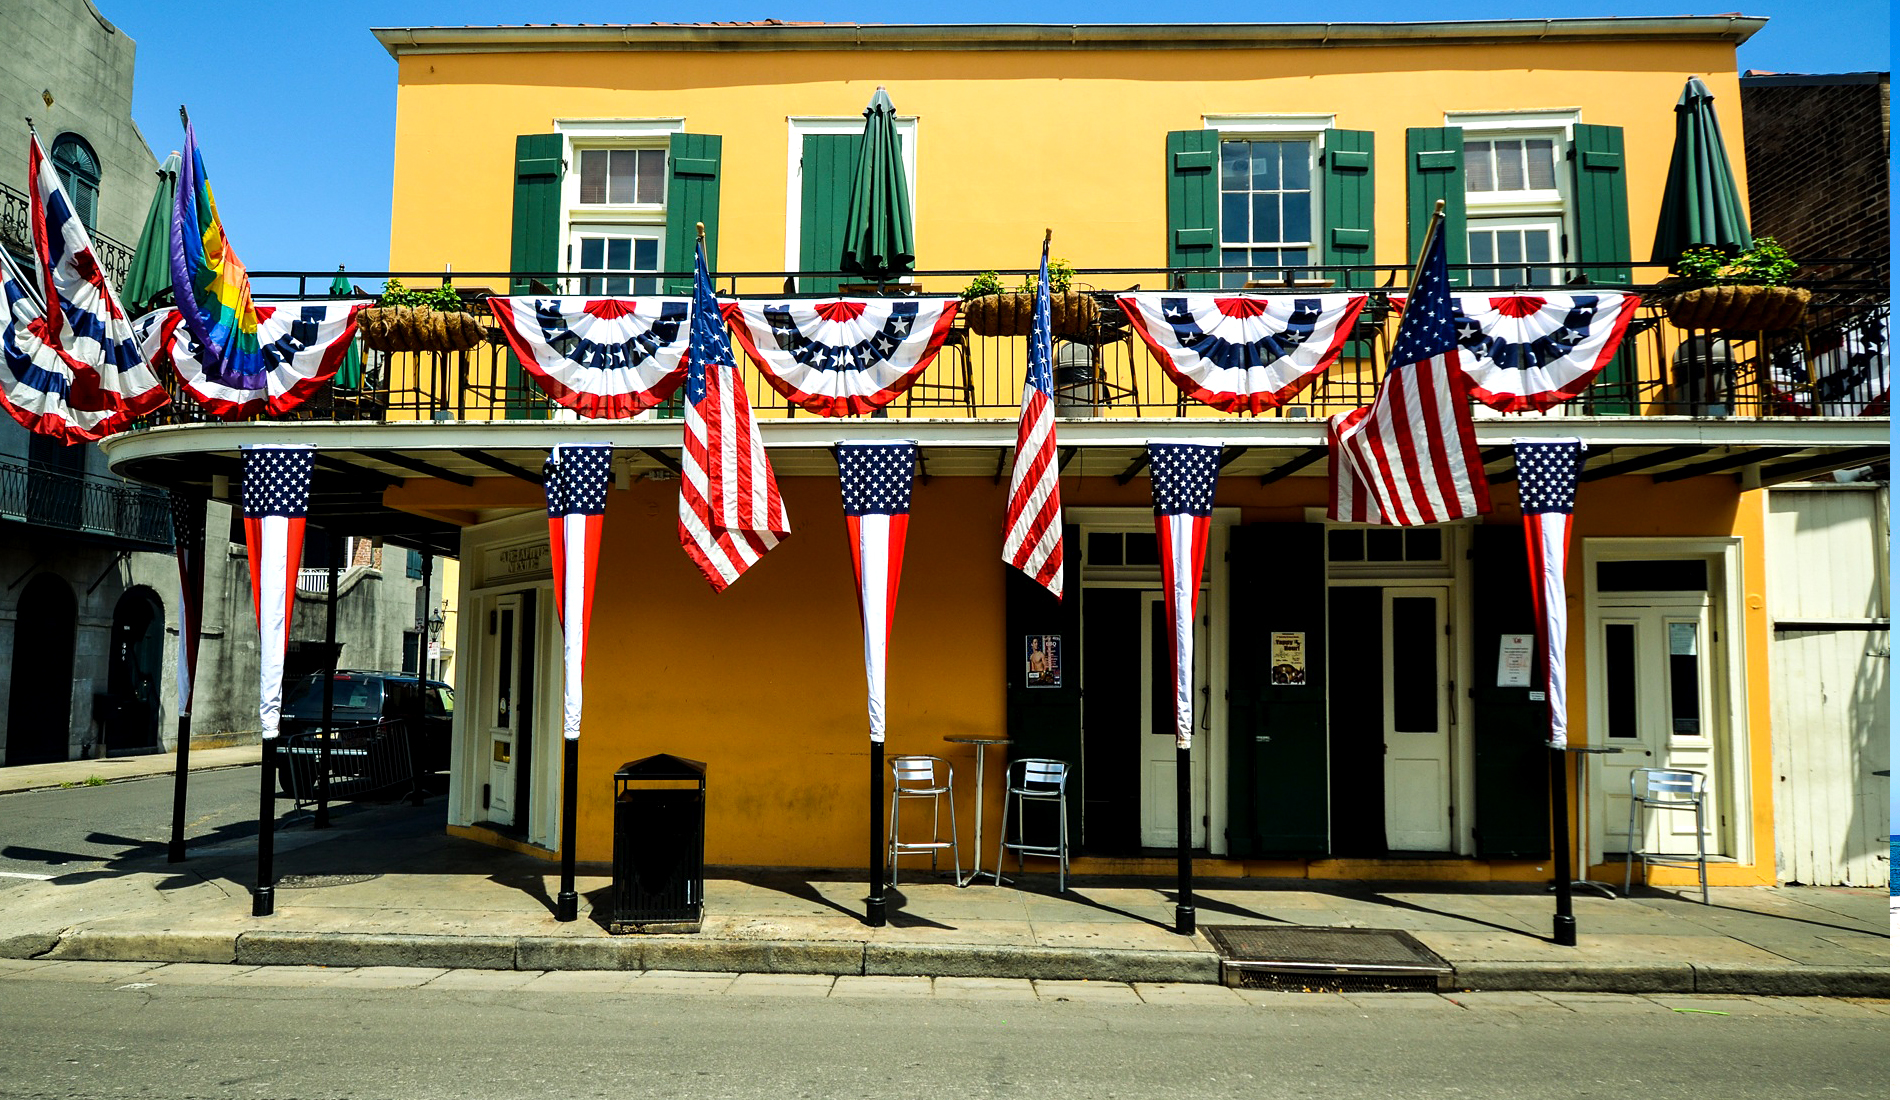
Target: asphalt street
225,1033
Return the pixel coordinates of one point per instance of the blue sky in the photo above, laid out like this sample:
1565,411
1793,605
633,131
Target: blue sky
298,133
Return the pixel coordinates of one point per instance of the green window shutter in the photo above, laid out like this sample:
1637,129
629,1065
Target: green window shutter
1046,722
826,164
1511,764
1435,169
535,246
1276,770
692,196
1194,204
1346,203
1601,192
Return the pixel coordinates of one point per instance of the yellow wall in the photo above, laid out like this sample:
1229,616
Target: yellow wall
1008,142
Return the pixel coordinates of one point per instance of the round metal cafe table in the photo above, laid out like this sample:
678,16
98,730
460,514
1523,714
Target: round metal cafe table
981,743
1583,754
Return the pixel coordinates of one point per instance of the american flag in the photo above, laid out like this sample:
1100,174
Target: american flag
1547,491
575,477
875,479
1184,475
188,544
1032,530
1415,451
276,499
730,511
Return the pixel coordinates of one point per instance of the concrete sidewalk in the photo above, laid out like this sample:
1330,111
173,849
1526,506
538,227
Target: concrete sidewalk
112,769
385,886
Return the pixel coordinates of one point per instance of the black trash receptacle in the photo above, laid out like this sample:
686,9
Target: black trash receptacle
659,845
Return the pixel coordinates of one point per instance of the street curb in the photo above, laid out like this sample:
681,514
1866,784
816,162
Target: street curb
167,946
1045,963
1794,981
375,949
1565,977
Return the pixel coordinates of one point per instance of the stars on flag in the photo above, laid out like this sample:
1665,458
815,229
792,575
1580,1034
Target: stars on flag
277,481
876,480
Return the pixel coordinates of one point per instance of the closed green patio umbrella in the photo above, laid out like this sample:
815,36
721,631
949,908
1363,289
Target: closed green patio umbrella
349,376
151,272
878,239
1701,205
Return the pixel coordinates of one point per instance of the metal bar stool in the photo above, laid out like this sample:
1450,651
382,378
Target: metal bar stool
916,777
1029,781
1669,790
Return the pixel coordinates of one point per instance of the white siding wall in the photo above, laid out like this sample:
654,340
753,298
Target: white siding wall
1827,569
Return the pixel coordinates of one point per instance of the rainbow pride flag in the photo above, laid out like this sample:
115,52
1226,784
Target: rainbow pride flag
212,289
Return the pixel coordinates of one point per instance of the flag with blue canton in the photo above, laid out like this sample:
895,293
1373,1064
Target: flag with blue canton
575,477
276,500
1547,472
1183,476
875,480
1032,525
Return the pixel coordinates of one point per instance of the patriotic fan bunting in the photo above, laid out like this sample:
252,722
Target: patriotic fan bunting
875,479
1529,351
576,478
38,384
1243,353
842,356
299,346
602,357
1183,478
276,499
1547,491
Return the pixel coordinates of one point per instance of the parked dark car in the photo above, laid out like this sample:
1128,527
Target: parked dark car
361,700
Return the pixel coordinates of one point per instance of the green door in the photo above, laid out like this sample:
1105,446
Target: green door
1509,726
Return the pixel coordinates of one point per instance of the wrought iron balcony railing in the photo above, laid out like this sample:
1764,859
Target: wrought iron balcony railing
131,516
16,232
1835,364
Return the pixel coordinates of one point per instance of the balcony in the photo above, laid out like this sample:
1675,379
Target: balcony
130,517
16,232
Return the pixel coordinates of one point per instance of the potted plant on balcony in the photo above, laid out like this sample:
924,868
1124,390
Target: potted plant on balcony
991,310
1746,293
419,320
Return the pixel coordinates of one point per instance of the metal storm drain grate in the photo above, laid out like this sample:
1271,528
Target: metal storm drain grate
1327,960
312,882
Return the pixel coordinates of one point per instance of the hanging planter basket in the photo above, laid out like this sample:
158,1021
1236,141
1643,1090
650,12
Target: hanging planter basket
419,328
1739,307
1013,313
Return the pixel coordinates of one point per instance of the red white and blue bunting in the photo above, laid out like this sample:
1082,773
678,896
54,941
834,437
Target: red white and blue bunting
1527,352
301,345
1243,353
38,384
606,358
842,356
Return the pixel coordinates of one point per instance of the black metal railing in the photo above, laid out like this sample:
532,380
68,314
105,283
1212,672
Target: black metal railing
101,508
1835,364
16,232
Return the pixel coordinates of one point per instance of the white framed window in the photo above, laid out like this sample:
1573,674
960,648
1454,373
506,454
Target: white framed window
613,202
1269,195
1533,244
797,128
1517,194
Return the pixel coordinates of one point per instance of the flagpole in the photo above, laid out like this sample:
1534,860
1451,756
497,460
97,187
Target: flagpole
264,900
1183,815
567,902
1563,926
874,914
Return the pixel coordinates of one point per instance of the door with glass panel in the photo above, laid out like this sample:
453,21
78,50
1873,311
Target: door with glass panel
1160,823
1418,720
1653,689
503,710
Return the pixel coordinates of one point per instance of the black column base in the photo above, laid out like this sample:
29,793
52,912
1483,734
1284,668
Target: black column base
1563,931
874,915
567,906
264,901
175,852
1184,920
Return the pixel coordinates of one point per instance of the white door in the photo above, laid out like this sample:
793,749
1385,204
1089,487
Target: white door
1158,757
1655,693
502,705
1417,668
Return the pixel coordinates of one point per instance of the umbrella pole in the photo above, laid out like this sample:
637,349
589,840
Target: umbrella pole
264,900
874,905
1183,838
1563,927
567,903
175,851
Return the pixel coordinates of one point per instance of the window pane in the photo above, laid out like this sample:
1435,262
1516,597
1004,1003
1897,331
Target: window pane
1266,165
1424,544
1233,165
1345,546
1266,218
1104,548
619,286
646,254
1296,160
1510,165
646,286
1679,575
1298,207
1385,544
1685,681
1619,679
620,176
1141,548
1415,680
1510,250
593,250
594,175
1234,226
652,189
1536,245
1540,164
1478,175
619,253
592,286
1233,257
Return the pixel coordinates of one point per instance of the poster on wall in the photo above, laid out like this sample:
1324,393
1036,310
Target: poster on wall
1042,661
1287,657
1514,661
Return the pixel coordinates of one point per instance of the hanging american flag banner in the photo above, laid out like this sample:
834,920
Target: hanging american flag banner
875,479
38,384
1547,473
1415,450
730,510
842,356
1032,528
1243,353
1183,476
188,545
576,478
300,345
276,499
1527,352
602,357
